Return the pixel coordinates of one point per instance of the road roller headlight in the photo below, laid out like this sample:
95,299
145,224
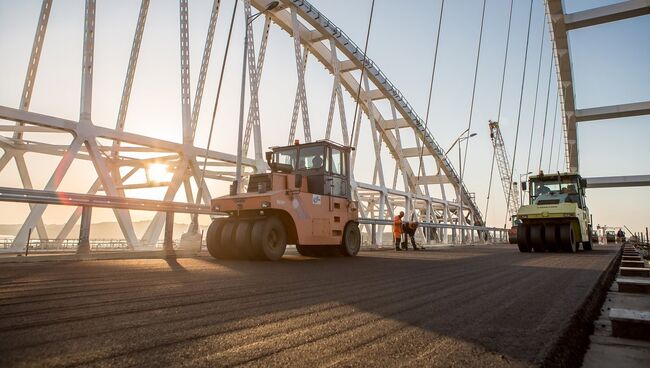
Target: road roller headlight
266,204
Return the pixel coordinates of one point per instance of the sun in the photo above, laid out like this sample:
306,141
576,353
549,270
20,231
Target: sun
158,173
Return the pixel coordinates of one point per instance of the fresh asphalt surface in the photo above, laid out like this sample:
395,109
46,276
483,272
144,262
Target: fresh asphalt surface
463,306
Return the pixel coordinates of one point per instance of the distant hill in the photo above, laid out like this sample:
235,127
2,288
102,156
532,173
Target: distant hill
101,230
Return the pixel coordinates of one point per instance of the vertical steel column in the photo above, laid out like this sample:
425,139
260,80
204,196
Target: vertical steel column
168,242
34,59
253,76
130,72
25,101
301,74
445,219
252,113
337,95
297,102
205,61
87,71
84,231
429,231
185,72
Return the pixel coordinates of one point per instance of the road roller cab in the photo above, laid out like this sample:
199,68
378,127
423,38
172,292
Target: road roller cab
556,217
305,200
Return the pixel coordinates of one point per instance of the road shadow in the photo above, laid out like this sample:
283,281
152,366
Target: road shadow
464,300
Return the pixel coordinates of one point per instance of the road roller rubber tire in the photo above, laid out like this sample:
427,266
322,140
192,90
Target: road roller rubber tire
551,238
537,238
567,239
213,238
522,238
351,240
269,238
243,242
228,240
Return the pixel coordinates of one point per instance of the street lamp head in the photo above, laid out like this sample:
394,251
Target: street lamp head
472,135
272,5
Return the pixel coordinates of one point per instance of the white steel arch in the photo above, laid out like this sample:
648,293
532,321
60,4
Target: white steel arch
316,33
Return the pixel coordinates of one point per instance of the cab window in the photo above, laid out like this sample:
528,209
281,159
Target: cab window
311,158
287,157
337,162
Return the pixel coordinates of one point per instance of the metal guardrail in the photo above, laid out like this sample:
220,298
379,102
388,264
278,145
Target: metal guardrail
81,200
88,201
434,225
68,244
492,234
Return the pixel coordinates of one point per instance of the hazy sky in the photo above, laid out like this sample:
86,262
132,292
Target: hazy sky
610,65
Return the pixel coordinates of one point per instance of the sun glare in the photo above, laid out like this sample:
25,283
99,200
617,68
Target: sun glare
158,173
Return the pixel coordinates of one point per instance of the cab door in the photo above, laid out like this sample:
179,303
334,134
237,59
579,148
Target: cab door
338,170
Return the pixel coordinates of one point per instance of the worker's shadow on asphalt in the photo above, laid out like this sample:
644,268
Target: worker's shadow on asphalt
173,264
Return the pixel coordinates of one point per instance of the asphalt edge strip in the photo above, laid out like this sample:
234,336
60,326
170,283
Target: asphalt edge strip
570,348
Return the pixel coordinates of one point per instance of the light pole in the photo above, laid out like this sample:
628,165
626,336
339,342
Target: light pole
521,189
461,218
240,132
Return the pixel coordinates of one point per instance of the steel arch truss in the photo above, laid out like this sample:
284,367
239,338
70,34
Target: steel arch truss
328,44
113,152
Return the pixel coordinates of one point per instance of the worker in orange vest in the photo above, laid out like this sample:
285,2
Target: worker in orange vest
397,230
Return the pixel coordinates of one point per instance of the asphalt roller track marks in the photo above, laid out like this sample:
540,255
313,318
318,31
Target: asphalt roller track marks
464,306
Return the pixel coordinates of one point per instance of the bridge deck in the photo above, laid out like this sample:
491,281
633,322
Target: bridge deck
465,306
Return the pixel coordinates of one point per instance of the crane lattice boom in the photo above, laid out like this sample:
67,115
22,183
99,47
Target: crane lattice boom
510,190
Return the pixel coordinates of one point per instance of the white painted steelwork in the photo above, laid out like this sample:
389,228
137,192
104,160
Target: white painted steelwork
314,35
561,24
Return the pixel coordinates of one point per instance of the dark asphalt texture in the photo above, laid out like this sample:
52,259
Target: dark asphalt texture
483,306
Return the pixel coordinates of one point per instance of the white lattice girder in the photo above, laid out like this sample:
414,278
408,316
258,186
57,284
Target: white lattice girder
76,129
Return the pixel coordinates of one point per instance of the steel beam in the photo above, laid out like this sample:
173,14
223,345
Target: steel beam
606,14
619,181
613,112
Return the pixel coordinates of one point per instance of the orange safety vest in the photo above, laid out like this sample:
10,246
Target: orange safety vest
397,226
